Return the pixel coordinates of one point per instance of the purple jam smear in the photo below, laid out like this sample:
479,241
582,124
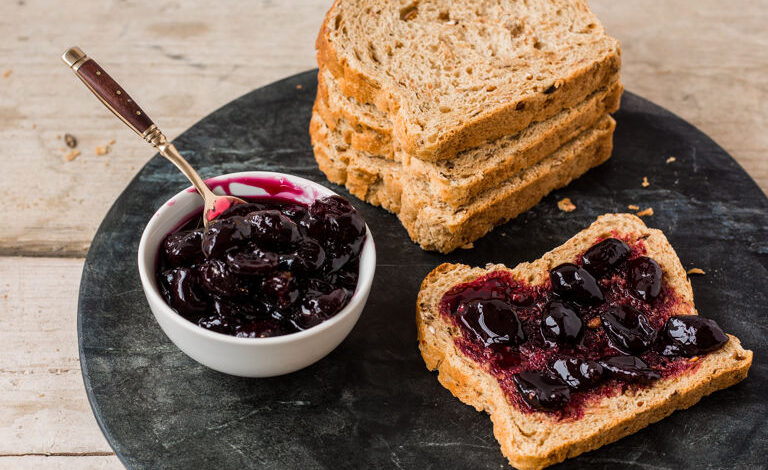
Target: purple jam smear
271,267
609,323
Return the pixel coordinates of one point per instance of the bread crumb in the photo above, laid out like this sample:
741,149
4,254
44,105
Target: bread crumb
633,207
299,86
695,271
7,73
645,182
566,205
72,154
70,140
645,212
102,150
112,142
594,323
670,160
34,126
468,246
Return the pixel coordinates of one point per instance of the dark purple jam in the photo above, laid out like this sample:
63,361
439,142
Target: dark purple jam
605,322
266,268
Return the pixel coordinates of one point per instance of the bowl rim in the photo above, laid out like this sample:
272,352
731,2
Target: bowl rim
146,272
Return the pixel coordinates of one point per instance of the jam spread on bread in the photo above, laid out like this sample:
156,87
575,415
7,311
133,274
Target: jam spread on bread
266,268
599,325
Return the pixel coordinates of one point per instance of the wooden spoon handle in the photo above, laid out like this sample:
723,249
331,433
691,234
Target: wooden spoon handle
108,91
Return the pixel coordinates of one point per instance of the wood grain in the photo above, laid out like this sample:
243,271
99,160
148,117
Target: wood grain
60,462
180,60
43,407
706,62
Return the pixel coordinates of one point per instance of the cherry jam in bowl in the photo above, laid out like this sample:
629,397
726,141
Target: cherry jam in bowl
275,285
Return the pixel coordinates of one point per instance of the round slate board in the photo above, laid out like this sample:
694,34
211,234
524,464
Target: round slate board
371,403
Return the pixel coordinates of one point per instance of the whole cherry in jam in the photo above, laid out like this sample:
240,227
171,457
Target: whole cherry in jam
308,256
183,247
217,277
493,321
272,228
645,278
318,306
628,329
339,227
603,257
691,335
281,288
182,292
265,268
629,369
576,284
227,325
541,390
223,234
560,324
579,374
254,262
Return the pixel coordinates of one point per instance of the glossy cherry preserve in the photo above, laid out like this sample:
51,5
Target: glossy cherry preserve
600,323
266,268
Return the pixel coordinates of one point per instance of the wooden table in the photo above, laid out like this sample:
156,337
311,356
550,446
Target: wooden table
704,60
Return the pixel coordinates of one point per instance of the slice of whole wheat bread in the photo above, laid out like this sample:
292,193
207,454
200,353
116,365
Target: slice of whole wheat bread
367,129
458,181
435,225
452,75
362,125
536,440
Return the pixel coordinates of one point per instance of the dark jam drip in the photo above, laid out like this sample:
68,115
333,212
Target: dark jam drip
640,345
270,267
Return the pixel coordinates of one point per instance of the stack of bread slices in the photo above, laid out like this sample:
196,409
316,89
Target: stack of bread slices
458,116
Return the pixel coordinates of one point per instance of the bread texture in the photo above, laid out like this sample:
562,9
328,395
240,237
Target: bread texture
452,75
472,171
432,223
367,129
536,440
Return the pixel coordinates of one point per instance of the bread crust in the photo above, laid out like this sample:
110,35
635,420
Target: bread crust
458,181
433,224
509,118
366,129
534,441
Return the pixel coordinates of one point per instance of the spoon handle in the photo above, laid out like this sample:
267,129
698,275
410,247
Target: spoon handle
123,106
108,91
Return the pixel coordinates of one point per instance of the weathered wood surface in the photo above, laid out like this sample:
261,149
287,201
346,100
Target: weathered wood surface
45,420
702,59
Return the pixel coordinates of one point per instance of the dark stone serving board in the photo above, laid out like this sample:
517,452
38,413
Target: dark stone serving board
371,403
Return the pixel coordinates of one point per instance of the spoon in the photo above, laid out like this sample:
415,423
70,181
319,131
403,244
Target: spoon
114,97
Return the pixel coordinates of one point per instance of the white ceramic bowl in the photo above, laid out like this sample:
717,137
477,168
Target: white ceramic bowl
248,357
